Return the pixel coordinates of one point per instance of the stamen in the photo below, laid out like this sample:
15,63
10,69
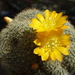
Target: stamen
53,43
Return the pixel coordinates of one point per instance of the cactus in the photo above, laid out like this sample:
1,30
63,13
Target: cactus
16,49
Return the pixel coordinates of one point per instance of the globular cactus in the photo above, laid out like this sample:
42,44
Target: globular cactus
16,49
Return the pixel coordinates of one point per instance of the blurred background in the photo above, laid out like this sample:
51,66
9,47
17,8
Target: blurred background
11,8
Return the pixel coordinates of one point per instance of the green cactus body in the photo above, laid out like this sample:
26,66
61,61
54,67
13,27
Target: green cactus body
16,49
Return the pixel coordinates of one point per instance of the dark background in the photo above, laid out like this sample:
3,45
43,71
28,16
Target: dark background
11,8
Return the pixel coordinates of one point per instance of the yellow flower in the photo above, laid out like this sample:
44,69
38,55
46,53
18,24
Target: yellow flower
50,21
52,45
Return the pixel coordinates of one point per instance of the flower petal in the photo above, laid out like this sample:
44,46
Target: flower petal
40,36
61,20
65,27
58,55
53,14
52,56
58,16
63,50
65,42
47,14
36,50
45,56
40,17
35,23
65,37
59,33
37,42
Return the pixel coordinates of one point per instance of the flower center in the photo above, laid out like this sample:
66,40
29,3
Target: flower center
50,23
53,43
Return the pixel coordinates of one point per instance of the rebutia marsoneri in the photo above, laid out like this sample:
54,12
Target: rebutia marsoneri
16,49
